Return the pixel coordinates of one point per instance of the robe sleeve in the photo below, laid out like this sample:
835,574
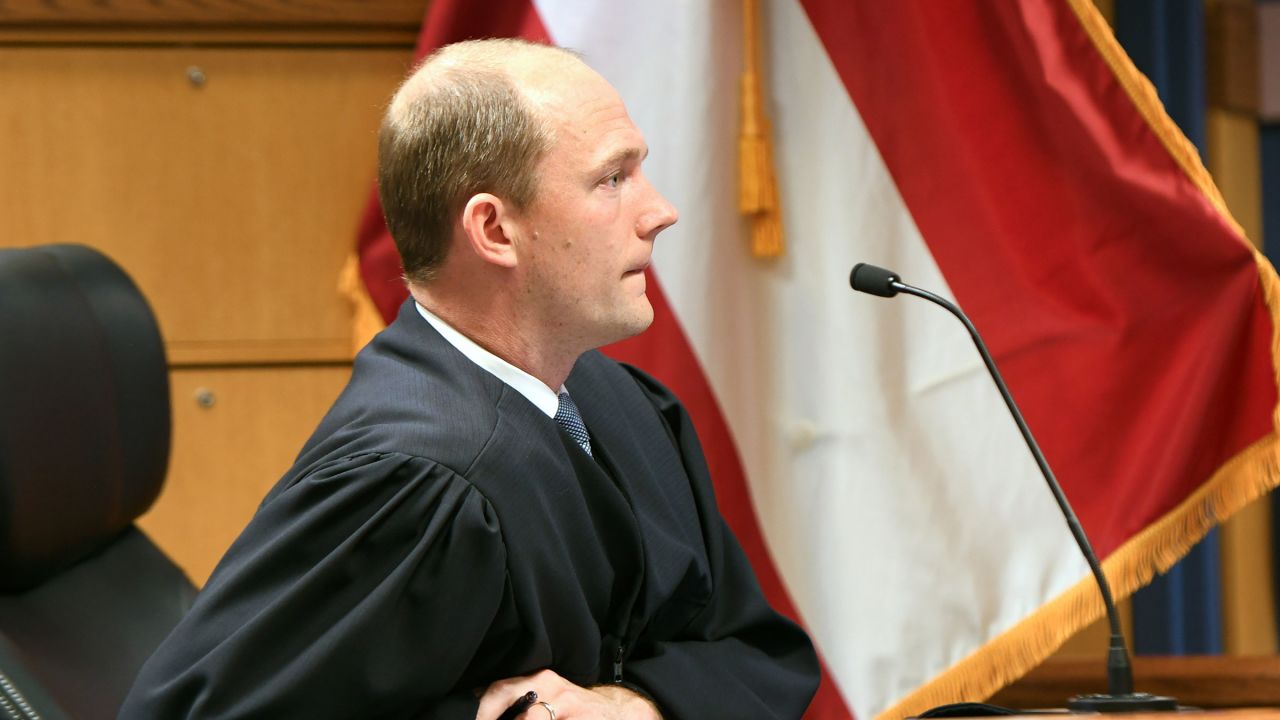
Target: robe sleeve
737,658
364,589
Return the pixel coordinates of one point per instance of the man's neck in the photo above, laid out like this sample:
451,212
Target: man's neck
496,329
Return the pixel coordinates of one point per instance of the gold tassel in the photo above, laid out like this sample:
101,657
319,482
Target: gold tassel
752,153
757,183
766,234
365,320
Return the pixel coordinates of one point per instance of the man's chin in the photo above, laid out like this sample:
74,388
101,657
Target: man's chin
628,327
643,318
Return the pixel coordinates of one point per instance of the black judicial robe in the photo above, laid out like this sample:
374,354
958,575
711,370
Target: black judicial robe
439,532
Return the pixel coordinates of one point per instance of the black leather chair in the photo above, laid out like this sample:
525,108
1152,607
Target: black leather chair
84,445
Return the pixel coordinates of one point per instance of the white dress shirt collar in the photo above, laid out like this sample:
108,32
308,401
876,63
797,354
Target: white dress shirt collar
542,397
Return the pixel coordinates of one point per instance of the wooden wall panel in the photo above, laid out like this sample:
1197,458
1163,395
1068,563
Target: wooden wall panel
1248,600
238,12
232,201
1235,161
1231,31
228,454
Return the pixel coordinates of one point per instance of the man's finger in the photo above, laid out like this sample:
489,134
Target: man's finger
501,695
550,687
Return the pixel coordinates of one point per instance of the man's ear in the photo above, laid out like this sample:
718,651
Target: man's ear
486,226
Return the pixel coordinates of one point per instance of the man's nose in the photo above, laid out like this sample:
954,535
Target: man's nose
658,216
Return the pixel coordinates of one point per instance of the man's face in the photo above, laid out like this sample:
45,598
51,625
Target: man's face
588,235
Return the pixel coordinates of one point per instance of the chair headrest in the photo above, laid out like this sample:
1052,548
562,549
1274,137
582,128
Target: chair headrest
84,408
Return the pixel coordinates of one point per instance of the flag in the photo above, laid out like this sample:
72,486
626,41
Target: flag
1006,156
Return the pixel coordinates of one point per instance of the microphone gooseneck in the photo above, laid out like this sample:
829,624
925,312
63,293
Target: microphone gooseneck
1120,696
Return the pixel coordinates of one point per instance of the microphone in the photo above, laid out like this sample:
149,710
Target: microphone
1120,696
874,280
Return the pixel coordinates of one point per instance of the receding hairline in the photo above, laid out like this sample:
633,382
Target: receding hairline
532,69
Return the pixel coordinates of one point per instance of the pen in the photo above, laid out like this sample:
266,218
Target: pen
524,702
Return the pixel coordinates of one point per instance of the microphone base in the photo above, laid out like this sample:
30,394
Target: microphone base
1127,703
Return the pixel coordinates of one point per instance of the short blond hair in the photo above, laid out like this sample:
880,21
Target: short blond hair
458,126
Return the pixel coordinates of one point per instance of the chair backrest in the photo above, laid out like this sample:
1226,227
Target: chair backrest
84,446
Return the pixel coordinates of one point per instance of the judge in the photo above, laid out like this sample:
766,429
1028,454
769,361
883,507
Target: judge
492,507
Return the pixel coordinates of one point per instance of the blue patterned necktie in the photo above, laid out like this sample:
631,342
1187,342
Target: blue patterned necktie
567,417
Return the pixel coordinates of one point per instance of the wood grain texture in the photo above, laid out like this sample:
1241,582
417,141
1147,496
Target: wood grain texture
1185,714
1199,681
208,36
350,13
233,203
1248,598
1231,31
226,456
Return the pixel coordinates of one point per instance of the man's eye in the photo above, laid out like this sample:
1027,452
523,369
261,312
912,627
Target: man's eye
613,180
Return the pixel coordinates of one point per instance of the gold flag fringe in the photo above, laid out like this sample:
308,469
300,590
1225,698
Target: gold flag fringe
365,320
1244,478
757,182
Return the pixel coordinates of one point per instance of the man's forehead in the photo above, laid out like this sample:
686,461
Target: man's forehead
602,133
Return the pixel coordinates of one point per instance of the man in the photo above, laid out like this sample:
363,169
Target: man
457,534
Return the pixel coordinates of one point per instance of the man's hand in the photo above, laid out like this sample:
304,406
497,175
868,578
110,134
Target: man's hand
569,701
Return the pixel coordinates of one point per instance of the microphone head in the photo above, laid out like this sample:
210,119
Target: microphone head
874,280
